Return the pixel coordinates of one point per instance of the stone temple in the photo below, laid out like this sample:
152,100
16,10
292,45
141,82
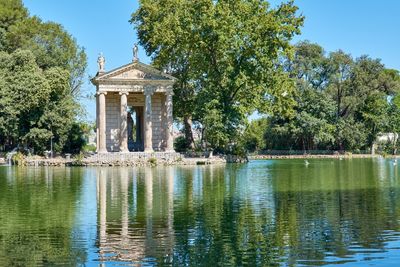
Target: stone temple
133,108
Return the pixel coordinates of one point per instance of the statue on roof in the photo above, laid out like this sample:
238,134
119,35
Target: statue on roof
101,61
135,53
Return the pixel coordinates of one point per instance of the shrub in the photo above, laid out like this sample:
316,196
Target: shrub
18,159
89,148
78,159
180,144
152,161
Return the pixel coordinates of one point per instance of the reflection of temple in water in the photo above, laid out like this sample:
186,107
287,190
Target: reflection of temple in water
135,214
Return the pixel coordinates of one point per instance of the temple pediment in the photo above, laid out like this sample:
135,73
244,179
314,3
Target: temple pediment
134,72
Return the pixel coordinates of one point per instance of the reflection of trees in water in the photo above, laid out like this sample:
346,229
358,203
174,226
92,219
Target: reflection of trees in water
330,215
312,217
222,229
37,212
215,215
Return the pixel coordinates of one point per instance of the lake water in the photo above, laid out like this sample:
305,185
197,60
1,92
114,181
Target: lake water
265,213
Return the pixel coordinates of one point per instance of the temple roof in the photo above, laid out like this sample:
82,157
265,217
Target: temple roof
133,72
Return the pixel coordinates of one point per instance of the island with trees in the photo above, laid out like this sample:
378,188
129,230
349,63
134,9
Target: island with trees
231,60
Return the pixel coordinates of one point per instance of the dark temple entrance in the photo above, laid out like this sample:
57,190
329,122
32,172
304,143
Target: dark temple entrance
135,129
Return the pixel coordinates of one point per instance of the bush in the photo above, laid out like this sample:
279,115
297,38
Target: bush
89,148
78,159
239,151
152,161
180,144
18,159
76,138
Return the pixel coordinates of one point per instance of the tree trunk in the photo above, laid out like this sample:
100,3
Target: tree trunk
187,121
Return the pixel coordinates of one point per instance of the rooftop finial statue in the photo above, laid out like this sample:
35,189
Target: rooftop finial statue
135,53
101,61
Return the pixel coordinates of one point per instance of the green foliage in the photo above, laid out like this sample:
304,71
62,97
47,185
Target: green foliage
342,103
215,130
52,47
253,136
41,71
180,144
18,159
89,148
225,55
35,105
152,162
78,159
76,142
11,12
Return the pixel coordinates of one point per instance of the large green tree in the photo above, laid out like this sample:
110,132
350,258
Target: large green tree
225,55
52,47
11,12
41,73
341,103
49,42
35,105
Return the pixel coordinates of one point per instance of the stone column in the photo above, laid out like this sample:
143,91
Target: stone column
123,137
97,122
101,146
148,129
169,131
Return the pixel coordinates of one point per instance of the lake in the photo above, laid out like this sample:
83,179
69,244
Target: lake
265,213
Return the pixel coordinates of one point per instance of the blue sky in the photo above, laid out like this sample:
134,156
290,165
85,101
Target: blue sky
358,27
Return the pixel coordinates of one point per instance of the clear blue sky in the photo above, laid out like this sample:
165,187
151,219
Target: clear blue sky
356,26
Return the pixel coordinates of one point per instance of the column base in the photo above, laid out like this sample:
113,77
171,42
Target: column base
170,151
148,150
124,150
102,151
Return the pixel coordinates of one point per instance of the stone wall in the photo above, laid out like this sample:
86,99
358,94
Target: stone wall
112,122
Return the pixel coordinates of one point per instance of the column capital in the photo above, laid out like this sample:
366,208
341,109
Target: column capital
124,93
101,93
169,93
149,91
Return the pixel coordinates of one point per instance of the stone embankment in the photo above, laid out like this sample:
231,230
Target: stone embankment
163,158
125,159
309,156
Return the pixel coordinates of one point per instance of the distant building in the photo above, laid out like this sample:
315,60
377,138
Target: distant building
386,138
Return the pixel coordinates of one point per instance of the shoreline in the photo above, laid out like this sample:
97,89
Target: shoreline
309,156
116,161
178,161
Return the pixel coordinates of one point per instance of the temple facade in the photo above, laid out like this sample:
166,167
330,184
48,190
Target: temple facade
133,108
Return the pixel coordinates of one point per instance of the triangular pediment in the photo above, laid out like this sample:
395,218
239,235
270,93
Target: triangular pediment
135,71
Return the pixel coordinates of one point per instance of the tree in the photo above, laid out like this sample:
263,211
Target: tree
308,66
41,72
338,98
394,109
35,105
222,51
253,136
52,47
11,12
